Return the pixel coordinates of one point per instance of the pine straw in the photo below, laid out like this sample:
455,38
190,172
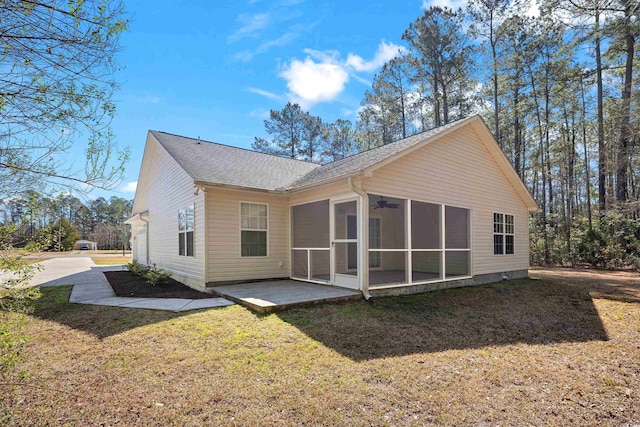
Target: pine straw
561,349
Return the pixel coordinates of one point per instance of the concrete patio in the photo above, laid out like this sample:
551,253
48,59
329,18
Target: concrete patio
277,295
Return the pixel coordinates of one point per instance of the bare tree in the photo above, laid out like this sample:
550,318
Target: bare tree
57,65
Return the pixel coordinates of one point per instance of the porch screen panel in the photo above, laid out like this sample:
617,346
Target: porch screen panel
388,245
299,264
391,213
426,266
457,242
310,225
457,228
310,252
425,225
320,265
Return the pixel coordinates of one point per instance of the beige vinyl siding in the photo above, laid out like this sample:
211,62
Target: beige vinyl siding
164,189
328,191
458,170
224,262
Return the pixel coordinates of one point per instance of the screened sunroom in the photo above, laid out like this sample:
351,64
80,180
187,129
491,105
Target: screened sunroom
408,242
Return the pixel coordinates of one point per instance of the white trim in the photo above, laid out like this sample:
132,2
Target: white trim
357,240
240,229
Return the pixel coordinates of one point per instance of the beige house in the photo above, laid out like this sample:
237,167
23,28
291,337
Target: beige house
439,209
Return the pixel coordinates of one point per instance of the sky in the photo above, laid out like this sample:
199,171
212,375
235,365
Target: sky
214,69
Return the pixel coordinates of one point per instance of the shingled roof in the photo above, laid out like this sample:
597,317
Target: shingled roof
213,163
217,164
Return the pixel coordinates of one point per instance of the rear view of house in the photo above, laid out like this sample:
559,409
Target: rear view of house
439,209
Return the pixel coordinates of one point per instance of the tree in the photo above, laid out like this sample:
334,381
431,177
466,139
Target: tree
313,137
488,16
442,55
340,140
287,128
57,63
628,34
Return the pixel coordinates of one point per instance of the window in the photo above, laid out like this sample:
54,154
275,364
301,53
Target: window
253,229
503,234
185,231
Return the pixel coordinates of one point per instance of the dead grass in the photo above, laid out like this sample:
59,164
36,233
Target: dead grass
562,349
114,260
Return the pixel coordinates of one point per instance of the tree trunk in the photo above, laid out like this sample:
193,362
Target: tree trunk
623,157
587,167
602,192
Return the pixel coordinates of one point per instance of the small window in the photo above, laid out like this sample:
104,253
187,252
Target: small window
253,229
503,234
185,231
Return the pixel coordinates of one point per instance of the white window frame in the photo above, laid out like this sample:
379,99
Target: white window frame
241,229
504,233
183,230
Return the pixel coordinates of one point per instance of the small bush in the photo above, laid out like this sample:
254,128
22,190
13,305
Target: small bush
153,275
156,275
136,268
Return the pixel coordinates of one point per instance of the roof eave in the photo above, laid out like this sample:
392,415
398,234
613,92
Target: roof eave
207,184
296,190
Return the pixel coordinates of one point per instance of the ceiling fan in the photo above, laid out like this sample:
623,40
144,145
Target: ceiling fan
382,203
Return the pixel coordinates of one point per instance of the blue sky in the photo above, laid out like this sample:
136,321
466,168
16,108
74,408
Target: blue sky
214,69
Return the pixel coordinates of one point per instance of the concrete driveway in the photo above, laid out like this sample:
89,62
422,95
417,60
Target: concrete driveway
90,286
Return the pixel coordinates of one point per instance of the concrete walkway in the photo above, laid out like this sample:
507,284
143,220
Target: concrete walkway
90,286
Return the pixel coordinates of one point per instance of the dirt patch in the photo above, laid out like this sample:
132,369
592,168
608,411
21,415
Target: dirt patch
127,284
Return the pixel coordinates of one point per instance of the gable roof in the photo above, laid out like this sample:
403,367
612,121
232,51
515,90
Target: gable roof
210,163
213,163
366,159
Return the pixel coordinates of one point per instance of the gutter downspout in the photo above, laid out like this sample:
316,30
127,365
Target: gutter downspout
364,197
146,234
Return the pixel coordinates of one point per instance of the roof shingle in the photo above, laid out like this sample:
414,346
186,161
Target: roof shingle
213,163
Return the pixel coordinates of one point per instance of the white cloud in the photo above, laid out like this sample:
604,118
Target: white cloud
322,75
251,25
294,32
130,187
385,52
311,82
265,93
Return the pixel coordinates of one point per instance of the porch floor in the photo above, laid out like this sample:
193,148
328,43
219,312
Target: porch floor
277,295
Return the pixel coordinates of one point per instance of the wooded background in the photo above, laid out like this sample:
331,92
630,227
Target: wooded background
559,93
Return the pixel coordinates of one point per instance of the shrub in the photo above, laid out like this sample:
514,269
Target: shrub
136,268
156,275
153,275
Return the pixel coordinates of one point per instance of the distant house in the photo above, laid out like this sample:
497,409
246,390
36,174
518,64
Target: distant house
85,245
439,209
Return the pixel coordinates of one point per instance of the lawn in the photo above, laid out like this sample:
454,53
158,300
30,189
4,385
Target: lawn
562,348
111,260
